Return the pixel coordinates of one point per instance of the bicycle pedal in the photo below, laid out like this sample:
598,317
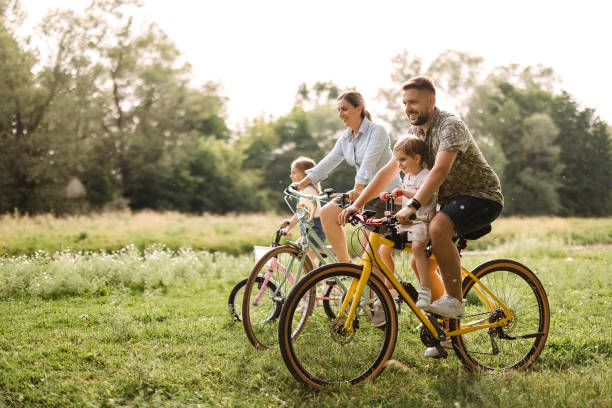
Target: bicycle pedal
442,354
436,324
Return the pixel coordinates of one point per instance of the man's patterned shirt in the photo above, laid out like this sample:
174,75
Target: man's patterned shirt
471,174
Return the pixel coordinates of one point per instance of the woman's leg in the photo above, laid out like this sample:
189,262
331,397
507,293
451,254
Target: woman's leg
333,231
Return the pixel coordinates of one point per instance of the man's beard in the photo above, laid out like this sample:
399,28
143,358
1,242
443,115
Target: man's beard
421,119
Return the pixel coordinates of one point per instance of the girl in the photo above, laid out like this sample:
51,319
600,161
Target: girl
298,173
364,145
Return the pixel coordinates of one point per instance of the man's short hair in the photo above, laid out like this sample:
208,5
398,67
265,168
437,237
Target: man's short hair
420,83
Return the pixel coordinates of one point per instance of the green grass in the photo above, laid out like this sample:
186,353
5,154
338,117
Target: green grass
151,328
236,234
131,322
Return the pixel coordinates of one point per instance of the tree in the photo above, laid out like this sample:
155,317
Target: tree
586,151
36,161
454,73
113,107
518,122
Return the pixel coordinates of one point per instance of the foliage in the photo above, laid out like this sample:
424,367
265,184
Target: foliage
114,109
105,114
552,157
586,152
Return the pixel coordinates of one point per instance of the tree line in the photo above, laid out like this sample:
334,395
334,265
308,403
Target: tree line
106,116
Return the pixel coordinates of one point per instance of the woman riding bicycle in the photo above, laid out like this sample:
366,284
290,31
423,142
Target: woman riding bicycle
364,145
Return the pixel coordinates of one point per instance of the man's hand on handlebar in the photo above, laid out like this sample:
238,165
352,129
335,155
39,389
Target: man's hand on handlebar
405,215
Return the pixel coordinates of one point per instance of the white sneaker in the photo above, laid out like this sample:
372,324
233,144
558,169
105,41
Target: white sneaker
432,352
448,307
424,300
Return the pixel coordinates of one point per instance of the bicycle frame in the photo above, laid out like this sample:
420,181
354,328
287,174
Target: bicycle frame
304,243
371,258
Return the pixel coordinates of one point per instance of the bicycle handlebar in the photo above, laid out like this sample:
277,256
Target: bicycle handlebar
327,195
368,219
388,195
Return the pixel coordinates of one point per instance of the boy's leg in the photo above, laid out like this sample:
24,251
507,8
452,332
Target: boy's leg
435,281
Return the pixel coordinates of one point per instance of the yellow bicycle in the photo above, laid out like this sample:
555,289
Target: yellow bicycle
505,326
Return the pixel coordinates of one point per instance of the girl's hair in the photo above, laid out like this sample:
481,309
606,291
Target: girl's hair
304,163
355,99
411,146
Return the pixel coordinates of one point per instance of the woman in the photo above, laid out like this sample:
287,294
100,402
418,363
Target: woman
364,145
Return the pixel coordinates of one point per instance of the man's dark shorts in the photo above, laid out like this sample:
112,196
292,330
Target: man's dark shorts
471,213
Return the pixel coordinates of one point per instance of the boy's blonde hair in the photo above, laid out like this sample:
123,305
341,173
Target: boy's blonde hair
411,146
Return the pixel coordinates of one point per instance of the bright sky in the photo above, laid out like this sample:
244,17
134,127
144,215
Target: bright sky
262,50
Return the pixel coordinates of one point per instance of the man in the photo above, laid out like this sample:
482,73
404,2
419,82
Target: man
469,191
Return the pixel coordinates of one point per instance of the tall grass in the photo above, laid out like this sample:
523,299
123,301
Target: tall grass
69,273
112,231
236,234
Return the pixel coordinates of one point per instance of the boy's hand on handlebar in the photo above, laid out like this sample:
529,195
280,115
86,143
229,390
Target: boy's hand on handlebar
405,215
346,213
396,192
285,232
285,223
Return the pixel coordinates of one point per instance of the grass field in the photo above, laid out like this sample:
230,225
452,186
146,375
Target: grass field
236,234
148,325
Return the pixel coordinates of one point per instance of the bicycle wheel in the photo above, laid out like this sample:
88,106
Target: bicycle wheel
516,345
234,302
323,354
266,288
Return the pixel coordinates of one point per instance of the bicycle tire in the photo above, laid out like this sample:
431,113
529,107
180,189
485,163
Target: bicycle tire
516,345
235,307
261,309
322,355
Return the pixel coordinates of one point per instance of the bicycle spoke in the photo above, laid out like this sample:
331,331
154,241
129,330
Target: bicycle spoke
516,344
323,351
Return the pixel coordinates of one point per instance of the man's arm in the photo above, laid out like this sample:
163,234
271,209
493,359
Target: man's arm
442,166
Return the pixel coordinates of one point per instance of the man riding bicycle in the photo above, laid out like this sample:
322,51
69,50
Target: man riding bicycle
469,194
